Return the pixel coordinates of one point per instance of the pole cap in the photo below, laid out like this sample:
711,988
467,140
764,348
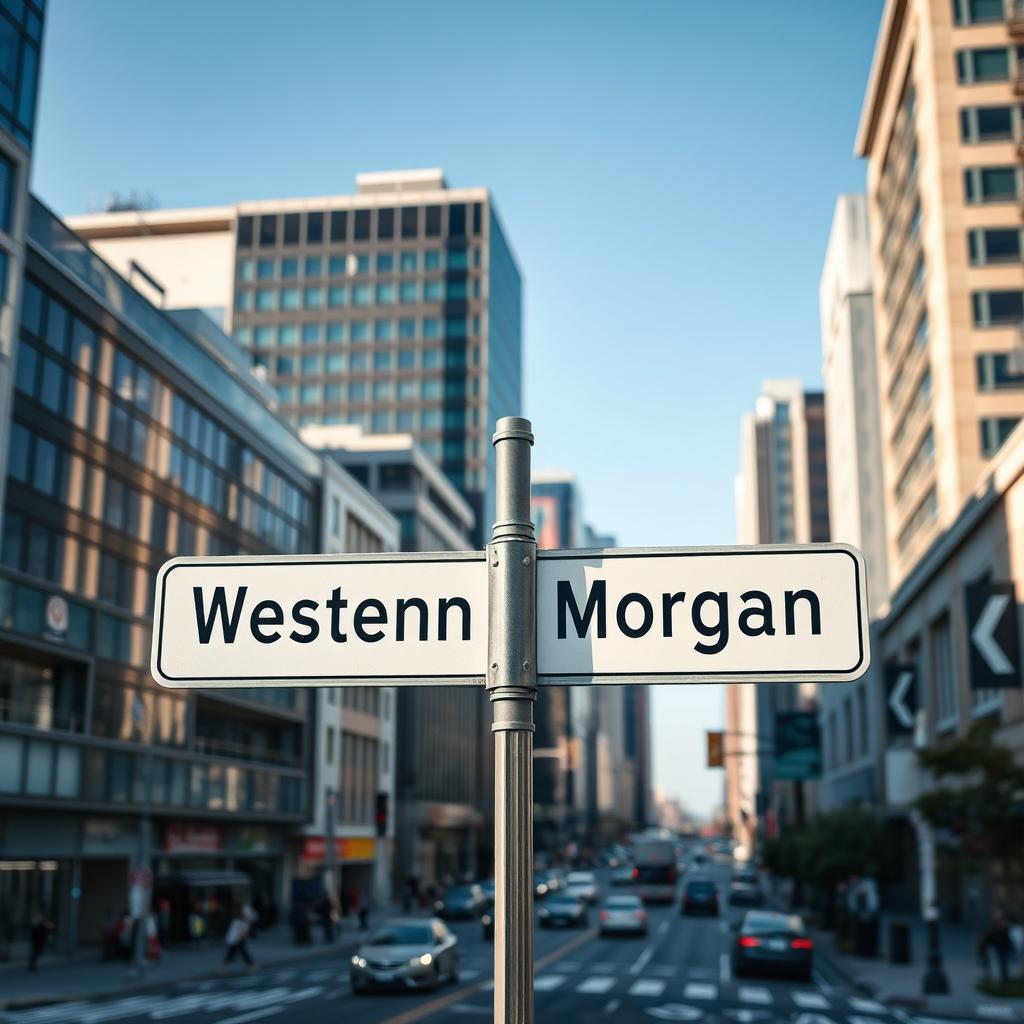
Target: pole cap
513,428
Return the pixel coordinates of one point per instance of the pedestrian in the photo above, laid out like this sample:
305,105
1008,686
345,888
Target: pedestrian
38,934
997,940
235,940
360,908
325,912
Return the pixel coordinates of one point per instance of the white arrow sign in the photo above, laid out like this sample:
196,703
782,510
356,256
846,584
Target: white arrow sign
903,714
983,639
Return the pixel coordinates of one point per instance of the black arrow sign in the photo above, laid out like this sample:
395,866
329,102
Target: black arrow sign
900,698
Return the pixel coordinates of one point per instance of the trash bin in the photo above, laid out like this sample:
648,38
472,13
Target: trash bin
899,942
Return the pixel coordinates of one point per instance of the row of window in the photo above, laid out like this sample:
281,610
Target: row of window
921,395
139,402
405,293
994,430
999,371
406,261
994,245
21,32
978,12
922,459
997,308
991,184
990,64
923,514
356,331
990,124
284,363
409,390
315,227
837,755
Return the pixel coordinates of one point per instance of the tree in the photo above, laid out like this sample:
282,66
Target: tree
982,800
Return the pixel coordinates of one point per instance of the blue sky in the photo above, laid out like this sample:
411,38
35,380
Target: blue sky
665,171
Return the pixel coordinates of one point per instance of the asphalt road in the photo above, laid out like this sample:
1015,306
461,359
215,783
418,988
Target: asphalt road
679,972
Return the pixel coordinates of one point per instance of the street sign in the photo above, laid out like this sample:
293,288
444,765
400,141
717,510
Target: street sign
995,641
785,613
901,701
321,620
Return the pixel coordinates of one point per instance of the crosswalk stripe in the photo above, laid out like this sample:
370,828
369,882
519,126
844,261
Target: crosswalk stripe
315,976
647,987
810,1000
596,985
700,990
996,1011
547,982
866,1005
755,995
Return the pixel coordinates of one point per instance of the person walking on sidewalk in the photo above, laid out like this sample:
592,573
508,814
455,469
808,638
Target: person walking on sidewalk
997,939
40,932
235,940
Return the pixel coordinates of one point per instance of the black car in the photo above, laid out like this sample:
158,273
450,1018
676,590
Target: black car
460,901
563,909
773,943
745,894
700,896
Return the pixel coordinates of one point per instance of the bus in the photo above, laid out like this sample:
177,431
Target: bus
654,868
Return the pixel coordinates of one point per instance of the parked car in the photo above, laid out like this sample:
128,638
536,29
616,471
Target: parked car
461,901
409,953
771,943
564,909
623,915
551,879
700,896
622,876
582,884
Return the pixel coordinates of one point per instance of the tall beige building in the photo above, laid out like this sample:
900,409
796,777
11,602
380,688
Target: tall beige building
941,129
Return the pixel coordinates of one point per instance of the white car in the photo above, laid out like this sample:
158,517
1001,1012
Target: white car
623,915
582,884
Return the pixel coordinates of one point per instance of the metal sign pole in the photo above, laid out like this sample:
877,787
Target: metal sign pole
512,684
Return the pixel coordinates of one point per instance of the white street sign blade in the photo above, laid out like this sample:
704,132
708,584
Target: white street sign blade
898,697
324,620
983,636
785,613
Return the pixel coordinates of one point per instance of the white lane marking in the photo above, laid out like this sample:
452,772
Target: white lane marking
810,1000
642,960
612,1005
547,982
752,994
647,987
699,990
724,972
866,1005
662,928
242,1018
995,1011
596,986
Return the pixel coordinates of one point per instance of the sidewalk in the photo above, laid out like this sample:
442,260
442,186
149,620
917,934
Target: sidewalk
900,984
84,975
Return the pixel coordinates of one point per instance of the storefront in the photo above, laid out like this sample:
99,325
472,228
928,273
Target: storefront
354,879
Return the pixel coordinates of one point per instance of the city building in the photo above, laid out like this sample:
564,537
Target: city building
941,130
136,435
397,308
353,753
851,768
21,32
958,679
445,756
781,498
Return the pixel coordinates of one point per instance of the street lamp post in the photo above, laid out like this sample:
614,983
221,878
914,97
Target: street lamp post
935,981
141,896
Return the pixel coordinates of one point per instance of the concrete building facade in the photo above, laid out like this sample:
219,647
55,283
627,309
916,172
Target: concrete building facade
941,129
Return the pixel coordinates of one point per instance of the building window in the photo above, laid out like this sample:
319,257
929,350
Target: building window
862,719
359,538
339,225
997,308
994,245
361,229
314,228
976,12
925,513
987,124
987,65
291,228
996,372
946,704
994,432
268,231
313,267
991,184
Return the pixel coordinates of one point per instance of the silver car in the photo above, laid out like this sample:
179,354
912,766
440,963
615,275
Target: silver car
623,915
408,953
582,884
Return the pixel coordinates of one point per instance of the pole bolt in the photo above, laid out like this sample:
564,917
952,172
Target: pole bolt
494,666
526,664
495,562
526,560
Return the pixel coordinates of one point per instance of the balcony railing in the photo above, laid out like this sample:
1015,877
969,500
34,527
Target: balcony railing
244,752
1015,17
38,716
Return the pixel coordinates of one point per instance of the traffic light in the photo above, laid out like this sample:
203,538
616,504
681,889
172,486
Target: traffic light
382,814
716,749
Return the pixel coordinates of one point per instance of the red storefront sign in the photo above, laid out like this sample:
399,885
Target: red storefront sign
345,850
193,837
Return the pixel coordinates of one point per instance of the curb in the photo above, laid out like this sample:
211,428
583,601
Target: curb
155,984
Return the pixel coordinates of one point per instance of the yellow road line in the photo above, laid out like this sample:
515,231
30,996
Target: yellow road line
443,1002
